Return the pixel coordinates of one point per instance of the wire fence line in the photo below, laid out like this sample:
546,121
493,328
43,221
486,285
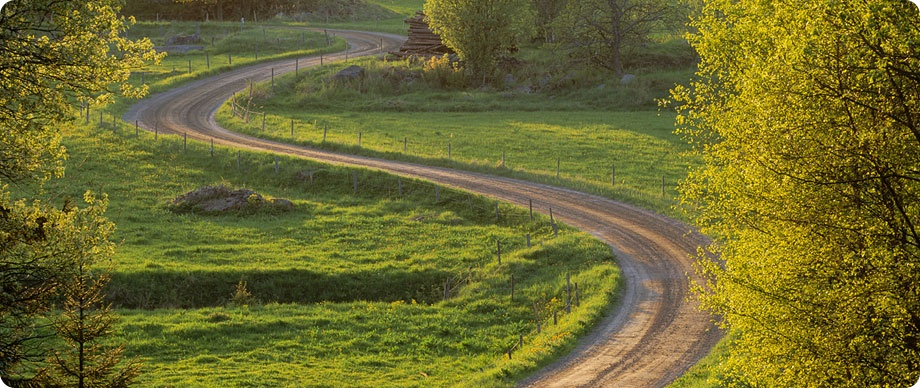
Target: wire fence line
369,183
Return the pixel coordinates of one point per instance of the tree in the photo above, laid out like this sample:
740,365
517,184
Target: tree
808,119
480,31
604,31
546,12
55,55
80,237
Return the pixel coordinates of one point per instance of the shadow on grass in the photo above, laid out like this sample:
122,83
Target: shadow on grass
198,289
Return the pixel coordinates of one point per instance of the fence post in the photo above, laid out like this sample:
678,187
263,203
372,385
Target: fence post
437,194
207,58
276,164
325,129
292,128
137,131
498,244
448,150
662,185
613,174
229,59
528,239
263,121
190,66
405,144
530,203
359,139
296,66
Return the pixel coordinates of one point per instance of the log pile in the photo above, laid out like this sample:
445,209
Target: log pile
421,41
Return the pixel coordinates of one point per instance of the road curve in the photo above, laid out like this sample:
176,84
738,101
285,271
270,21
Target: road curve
652,335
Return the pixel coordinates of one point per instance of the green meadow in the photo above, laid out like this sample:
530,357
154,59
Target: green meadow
390,282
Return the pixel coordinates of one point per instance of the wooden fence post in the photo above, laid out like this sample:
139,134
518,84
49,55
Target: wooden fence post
613,174
498,245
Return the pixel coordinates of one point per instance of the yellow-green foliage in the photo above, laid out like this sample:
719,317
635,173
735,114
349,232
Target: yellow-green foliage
806,116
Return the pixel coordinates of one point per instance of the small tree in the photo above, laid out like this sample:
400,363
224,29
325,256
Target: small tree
85,318
480,31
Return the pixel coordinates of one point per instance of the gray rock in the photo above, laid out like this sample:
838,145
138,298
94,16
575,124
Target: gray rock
349,73
627,79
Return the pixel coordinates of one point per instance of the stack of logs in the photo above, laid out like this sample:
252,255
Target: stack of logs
422,41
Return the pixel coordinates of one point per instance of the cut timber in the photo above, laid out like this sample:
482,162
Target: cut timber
422,41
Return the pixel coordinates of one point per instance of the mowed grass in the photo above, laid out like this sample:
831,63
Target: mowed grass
347,288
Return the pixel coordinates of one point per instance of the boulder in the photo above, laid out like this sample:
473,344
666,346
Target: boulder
349,73
627,79
221,199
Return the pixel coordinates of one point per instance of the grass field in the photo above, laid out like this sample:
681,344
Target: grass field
348,288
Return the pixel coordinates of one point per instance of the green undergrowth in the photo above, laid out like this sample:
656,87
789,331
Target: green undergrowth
346,289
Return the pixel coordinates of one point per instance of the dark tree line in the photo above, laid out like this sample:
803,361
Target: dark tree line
234,10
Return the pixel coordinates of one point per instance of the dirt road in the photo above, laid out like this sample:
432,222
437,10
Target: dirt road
647,340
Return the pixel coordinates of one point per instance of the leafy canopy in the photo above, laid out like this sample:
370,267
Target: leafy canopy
55,55
808,116
481,31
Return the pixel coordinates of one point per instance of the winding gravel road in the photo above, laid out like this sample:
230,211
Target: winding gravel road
648,339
